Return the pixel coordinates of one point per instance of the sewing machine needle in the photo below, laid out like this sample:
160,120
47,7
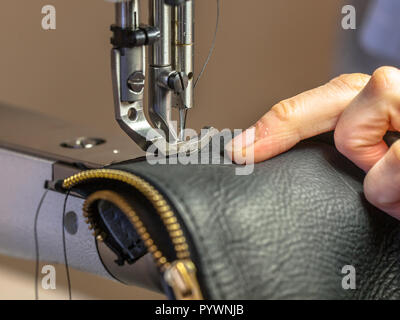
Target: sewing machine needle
182,123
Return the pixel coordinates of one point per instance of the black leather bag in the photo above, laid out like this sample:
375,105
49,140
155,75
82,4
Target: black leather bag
287,231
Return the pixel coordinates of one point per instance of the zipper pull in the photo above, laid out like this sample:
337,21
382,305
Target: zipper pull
181,277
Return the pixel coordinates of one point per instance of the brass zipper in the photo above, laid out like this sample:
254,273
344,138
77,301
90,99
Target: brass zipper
179,274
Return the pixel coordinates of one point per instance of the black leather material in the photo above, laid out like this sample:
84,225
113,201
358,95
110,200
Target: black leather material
285,231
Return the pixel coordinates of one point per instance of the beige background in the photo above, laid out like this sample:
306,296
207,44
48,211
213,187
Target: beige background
267,50
17,282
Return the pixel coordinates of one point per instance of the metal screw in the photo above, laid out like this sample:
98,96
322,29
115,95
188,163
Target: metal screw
178,81
83,143
136,82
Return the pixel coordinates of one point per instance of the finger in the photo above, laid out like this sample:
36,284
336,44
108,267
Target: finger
303,116
362,126
382,184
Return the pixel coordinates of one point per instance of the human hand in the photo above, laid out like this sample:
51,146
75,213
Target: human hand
359,108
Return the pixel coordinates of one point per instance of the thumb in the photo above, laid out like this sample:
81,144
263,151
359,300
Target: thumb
290,121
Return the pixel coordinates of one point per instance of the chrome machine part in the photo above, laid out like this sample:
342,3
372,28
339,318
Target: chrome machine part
160,97
128,73
183,48
183,55
170,74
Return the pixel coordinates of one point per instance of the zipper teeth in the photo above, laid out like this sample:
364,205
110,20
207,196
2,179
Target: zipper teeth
131,215
163,209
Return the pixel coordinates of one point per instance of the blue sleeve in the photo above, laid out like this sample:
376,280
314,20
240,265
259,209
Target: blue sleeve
380,32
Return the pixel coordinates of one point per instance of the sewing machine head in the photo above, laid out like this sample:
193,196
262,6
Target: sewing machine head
171,84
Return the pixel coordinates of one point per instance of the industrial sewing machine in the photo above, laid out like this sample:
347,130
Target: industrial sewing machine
28,141
170,36
36,151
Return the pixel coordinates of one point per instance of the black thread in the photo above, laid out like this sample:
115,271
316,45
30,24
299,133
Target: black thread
65,247
212,45
35,234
